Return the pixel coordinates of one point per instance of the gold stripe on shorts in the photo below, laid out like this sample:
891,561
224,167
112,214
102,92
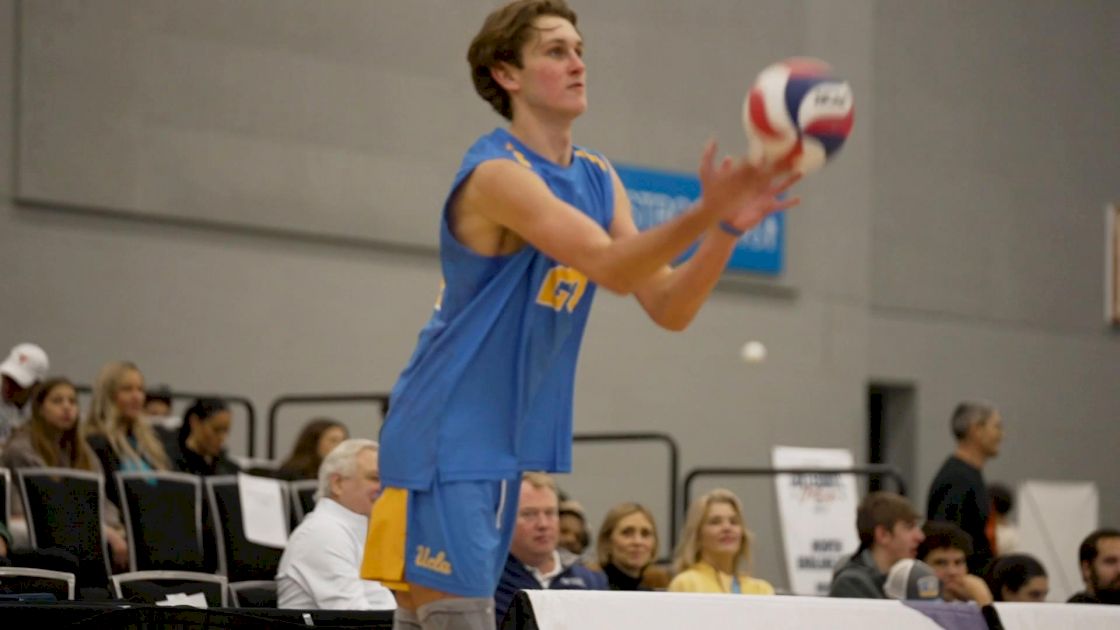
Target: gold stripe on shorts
385,554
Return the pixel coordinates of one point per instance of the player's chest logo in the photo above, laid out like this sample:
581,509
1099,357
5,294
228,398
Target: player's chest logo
563,288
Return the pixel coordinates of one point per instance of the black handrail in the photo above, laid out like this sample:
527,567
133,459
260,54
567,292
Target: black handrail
250,411
674,465
870,469
274,408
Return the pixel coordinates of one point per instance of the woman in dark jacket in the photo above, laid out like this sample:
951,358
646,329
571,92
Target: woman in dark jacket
202,438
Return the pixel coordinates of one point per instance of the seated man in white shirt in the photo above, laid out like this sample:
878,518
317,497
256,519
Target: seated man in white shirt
319,568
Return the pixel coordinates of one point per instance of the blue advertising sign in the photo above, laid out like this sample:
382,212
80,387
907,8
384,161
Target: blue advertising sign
657,196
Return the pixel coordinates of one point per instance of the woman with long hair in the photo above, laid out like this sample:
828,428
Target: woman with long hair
318,437
714,553
626,548
54,438
118,434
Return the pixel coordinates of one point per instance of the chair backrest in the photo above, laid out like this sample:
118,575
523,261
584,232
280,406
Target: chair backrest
238,559
26,580
154,586
253,594
303,497
62,507
5,496
163,514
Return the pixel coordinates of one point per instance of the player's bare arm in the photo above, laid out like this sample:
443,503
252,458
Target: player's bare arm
514,199
673,296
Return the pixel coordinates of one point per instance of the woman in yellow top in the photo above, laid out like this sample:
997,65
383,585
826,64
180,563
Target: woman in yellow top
715,549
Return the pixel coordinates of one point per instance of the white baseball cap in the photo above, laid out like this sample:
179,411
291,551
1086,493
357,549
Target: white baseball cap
26,365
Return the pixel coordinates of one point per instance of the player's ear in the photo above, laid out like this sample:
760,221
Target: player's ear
506,75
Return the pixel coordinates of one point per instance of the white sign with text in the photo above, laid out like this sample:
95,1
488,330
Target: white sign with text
818,515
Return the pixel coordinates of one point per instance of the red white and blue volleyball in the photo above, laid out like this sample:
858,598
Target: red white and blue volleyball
798,110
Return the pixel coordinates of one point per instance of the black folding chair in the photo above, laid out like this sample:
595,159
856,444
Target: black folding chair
163,515
303,497
21,580
253,594
239,559
5,497
154,586
62,507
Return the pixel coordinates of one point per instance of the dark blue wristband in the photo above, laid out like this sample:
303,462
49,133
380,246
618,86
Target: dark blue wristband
731,229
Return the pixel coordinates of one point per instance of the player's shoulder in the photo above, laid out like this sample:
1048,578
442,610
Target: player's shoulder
592,158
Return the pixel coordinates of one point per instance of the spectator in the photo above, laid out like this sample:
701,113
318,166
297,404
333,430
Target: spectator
535,560
1099,556
318,437
958,493
200,447
119,437
573,527
626,547
157,411
1006,532
1018,578
320,564
25,366
888,532
54,438
715,549
946,548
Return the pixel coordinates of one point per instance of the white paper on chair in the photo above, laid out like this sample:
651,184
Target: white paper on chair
197,600
262,510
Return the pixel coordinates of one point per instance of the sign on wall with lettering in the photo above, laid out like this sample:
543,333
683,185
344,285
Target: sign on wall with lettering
657,196
818,515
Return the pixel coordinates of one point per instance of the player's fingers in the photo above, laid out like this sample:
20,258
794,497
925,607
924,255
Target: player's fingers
785,204
786,183
707,156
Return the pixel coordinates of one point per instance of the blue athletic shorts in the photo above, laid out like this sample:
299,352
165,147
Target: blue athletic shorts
453,538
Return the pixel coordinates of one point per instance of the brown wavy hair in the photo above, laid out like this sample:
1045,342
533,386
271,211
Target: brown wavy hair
65,450
304,458
500,40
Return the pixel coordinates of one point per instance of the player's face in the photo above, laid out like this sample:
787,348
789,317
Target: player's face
552,76
949,565
538,523
358,491
721,533
1033,590
632,543
902,540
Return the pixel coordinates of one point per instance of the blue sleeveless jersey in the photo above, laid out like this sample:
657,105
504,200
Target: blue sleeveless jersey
487,393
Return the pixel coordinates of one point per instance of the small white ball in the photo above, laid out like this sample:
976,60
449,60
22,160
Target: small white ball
753,352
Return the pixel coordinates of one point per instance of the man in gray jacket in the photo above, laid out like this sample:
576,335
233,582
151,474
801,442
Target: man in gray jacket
889,530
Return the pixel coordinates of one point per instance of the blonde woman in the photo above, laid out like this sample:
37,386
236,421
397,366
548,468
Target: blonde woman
715,549
118,435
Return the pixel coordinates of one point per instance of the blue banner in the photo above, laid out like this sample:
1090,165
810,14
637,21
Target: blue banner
657,196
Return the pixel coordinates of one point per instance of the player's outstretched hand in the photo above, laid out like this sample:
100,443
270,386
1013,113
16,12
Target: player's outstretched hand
743,194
